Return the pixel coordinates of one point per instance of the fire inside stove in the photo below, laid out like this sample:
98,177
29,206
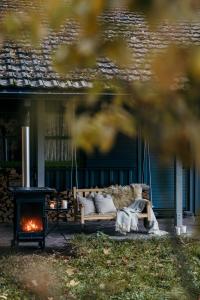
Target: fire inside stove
31,225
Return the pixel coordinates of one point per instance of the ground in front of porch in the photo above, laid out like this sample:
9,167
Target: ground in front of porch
93,266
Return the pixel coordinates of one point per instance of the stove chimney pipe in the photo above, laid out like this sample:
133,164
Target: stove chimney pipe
26,156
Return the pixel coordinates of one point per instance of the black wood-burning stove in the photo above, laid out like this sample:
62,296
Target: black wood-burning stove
29,214
29,202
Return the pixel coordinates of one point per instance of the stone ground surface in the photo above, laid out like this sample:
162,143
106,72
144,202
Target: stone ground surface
58,237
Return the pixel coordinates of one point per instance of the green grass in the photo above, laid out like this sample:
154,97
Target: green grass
96,267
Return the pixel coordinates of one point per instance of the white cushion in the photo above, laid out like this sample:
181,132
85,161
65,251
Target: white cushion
88,203
104,203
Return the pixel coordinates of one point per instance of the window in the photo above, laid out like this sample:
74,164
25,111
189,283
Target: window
10,146
58,145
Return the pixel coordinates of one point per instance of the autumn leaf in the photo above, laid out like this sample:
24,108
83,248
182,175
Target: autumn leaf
34,282
29,24
122,55
70,271
73,283
106,251
125,260
100,130
3,297
167,74
102,286
57,12
69,57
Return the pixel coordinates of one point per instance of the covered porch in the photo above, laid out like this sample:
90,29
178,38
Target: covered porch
175,189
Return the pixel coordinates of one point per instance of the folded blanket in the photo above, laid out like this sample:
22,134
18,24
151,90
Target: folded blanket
155,228
127,218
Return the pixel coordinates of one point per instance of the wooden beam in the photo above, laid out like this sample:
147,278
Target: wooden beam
40,143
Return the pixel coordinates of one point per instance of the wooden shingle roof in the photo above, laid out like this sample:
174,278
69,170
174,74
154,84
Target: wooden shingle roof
25,67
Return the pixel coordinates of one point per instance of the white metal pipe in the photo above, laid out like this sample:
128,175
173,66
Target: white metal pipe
25,156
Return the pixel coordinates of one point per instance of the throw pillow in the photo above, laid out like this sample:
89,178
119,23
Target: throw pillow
88,204
104,203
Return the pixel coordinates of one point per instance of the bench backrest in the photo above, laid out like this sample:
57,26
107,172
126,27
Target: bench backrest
85,192
119,201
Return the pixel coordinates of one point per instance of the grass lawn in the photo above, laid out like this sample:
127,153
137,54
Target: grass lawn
96,267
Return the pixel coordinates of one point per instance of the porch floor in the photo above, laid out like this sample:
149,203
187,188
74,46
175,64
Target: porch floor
58,237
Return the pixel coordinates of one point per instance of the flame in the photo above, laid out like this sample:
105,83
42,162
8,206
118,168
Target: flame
31,224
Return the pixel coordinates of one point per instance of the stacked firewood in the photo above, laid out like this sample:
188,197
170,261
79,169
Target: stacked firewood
4,198
67,195
6,203
8,178
58,213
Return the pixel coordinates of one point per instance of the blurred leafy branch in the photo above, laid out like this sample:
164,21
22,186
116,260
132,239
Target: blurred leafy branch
166,107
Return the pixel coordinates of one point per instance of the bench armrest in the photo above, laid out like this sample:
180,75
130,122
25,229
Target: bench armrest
81,206
77,208
78,211
149,208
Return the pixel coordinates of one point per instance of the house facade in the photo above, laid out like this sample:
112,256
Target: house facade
30,87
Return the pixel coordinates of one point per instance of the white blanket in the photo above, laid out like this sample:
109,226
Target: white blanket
127,218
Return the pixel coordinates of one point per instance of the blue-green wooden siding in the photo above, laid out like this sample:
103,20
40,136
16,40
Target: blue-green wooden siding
119,166
122,154
88,177
163,183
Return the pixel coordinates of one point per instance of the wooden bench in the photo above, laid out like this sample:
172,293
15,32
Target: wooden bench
79,208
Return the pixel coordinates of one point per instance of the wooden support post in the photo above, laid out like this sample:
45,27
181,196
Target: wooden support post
197,192
40,143
179,194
